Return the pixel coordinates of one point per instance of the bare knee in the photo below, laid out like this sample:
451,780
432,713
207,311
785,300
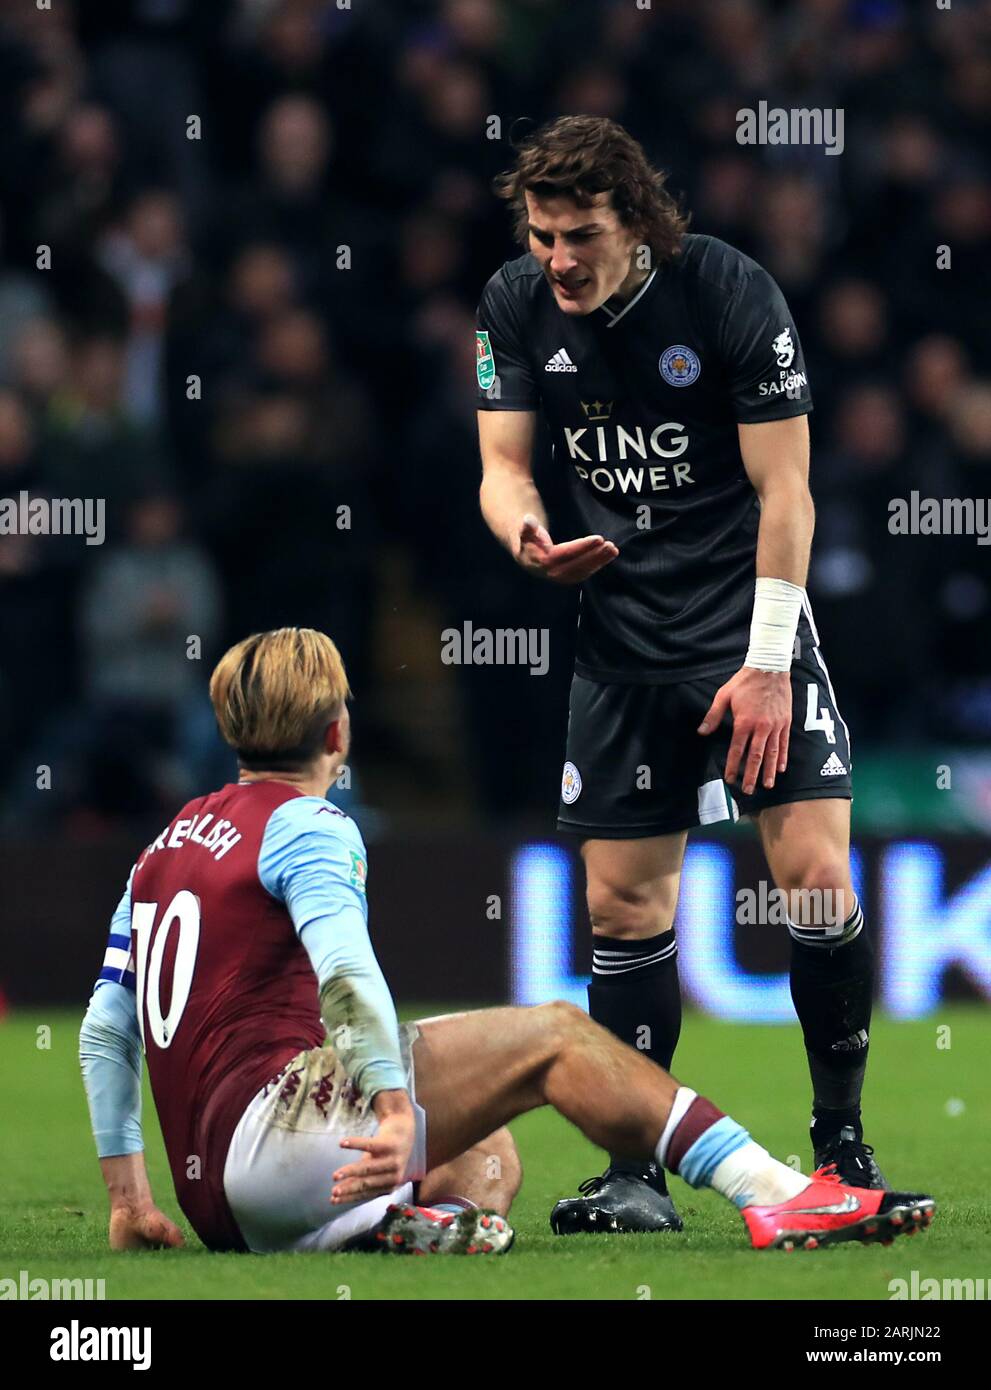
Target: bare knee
819,892
620,910
561,1022
560,1027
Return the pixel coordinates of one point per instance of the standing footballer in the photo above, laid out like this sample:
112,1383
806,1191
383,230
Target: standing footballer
670,374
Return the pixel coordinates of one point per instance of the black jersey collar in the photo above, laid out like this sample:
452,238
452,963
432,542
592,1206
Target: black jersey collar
611,318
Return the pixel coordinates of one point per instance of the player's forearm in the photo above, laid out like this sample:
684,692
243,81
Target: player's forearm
360,1019
110,1061
507,497
784,540
388,1103
127,1182
783,544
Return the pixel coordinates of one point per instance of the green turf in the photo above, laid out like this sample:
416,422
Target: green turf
929,1116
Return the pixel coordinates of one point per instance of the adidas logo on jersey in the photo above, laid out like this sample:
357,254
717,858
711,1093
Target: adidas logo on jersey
832,767
560,362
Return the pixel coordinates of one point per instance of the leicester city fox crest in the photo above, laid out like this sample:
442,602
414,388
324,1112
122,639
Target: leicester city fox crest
571,784
679,365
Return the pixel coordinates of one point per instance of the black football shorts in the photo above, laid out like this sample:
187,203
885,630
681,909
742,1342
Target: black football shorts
636,765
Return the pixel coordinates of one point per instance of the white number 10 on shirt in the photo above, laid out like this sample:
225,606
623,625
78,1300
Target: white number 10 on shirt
184,909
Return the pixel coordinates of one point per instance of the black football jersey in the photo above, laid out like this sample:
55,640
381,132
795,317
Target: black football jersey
643,404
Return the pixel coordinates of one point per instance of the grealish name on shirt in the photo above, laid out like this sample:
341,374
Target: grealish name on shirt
221,836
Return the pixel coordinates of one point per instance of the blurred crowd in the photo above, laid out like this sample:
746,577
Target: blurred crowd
241,244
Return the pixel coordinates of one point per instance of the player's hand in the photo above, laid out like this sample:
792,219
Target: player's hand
142,1228
385,1160
760,704
571,562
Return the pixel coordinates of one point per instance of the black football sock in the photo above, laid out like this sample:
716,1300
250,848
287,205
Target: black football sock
832,987
636,995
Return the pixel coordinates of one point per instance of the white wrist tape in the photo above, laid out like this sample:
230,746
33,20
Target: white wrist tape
777,606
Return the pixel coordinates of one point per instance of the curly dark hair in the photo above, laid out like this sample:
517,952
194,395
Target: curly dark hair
578,157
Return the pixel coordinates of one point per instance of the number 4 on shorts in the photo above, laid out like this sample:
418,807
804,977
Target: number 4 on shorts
816,718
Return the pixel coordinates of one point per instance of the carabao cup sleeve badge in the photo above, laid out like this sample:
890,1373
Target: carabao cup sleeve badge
484,360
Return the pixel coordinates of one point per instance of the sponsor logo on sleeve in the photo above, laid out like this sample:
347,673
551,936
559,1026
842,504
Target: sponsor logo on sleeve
359,871
484,360
790,382
784,348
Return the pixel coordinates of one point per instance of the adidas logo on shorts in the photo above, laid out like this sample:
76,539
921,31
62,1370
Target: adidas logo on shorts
560,362
832,767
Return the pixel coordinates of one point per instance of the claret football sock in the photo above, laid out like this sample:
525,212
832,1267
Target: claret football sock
709,1149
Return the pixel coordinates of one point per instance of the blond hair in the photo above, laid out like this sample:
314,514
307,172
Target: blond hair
275,693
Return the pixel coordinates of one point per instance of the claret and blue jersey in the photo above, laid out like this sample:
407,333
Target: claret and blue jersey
249,901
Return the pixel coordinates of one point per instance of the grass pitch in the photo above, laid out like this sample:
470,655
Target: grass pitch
928,1110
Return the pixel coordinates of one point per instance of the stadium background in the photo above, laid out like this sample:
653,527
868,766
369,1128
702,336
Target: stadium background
311,262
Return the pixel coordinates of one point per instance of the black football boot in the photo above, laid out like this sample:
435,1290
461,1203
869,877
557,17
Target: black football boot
627,1197
853,1159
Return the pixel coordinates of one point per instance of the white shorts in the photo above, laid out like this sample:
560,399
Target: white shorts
285,1150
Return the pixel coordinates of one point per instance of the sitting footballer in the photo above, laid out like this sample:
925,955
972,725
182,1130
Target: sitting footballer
297,1114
